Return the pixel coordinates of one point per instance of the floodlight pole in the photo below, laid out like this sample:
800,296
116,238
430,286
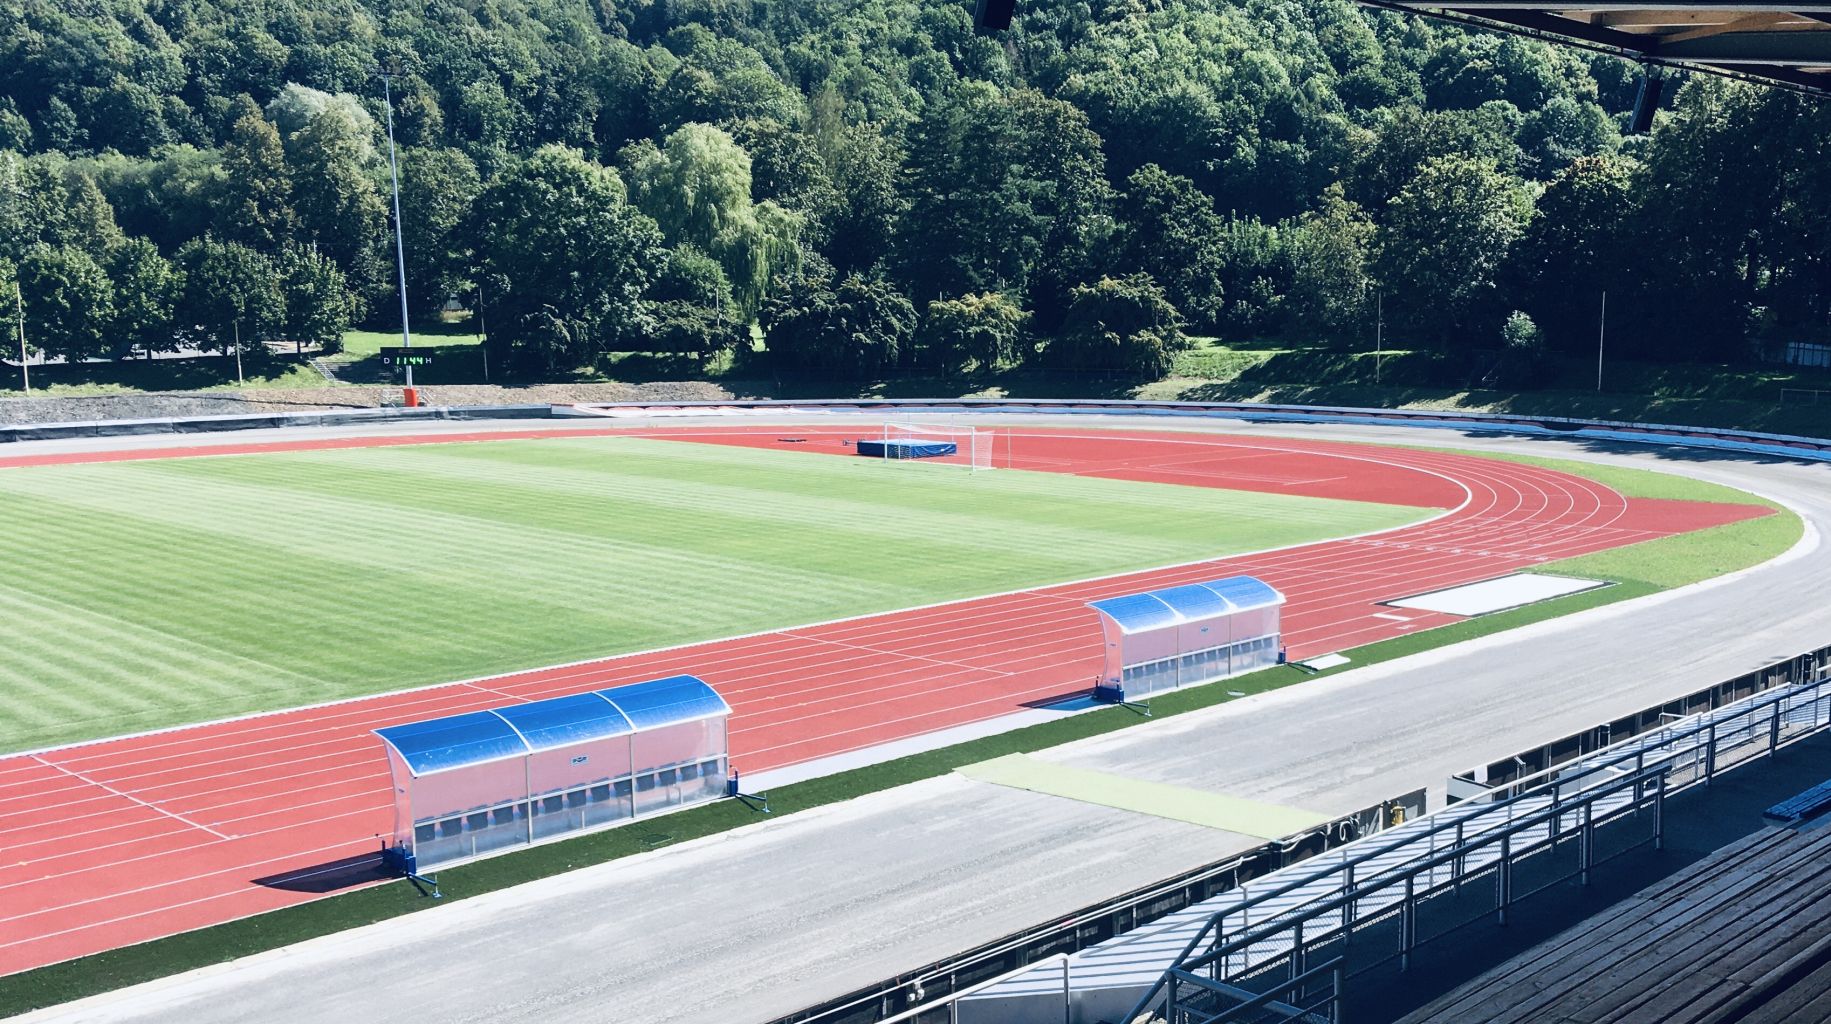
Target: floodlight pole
25,371
1601,334
400,250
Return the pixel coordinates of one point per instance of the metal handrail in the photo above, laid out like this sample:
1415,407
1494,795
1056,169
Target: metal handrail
1532,819
1376,849
1269,995
1640,751
1666,734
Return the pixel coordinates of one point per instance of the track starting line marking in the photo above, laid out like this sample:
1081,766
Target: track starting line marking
128,796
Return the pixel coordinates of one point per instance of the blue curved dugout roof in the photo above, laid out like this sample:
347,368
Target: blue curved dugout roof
479,737
669,701
1192,602
453,742
563,721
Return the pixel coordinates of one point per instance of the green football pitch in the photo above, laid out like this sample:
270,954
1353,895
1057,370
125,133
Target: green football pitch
145,594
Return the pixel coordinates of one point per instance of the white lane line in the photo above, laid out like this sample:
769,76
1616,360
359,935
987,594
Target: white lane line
128,796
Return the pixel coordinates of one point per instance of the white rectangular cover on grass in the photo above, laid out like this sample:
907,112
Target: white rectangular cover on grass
1499,594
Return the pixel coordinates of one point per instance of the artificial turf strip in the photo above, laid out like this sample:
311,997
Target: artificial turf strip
155,593
105,972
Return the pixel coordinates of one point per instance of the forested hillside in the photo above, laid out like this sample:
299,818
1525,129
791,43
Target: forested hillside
879,186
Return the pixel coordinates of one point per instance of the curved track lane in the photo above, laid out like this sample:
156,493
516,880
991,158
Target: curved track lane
120,841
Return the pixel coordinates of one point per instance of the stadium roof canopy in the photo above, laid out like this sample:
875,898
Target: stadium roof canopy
1781,43
479,737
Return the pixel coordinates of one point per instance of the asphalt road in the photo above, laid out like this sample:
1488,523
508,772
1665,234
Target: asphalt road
759,922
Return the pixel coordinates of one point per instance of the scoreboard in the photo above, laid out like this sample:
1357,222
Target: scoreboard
393,356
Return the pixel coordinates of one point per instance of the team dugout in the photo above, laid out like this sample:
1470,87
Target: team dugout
1180,636
473,784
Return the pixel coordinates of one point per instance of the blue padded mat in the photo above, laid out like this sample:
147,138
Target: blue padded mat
905,448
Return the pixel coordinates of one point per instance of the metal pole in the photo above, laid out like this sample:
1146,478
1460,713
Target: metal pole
19,307
400,248
1379,333
239,379
1601,334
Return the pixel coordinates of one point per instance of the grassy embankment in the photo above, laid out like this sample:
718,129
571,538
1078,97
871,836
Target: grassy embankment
1638,570
1275,370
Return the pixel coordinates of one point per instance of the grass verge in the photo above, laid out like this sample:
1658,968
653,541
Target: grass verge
1687,557
203,373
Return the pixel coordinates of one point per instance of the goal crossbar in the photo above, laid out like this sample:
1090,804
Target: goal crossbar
972,447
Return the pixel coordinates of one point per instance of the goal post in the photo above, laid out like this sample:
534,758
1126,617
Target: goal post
971,447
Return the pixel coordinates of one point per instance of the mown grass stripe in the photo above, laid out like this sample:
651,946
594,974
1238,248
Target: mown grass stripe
198,588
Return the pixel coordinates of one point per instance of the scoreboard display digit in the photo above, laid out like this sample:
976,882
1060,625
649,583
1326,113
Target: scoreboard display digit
394,356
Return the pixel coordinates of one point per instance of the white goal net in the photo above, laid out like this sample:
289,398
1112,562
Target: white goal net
950,445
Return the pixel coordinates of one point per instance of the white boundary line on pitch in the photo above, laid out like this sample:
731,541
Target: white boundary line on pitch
1220,440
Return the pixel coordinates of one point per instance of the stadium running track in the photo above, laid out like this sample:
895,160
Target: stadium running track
119,841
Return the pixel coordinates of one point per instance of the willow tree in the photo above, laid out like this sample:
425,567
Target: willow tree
696,186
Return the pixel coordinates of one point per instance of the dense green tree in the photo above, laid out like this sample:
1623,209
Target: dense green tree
1442,245
697,188
1123,325
25,204
1330,250
1007,191
1405,139
336,190
1563,131
859,217
1575,248
1714,256
132,120
438,188
718,80
256,204
972,333
1172,233
170,199
45,200
1228,96
84,219
690,300
231,293
9,317
566,261
859,328
785,164
318,303
1255,275
15,130
146,292
69,302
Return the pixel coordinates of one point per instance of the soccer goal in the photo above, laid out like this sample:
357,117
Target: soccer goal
959,446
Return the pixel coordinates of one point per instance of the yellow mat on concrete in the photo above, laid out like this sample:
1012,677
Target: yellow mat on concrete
1198,807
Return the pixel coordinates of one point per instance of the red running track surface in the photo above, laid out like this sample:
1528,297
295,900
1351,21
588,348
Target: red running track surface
120,841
